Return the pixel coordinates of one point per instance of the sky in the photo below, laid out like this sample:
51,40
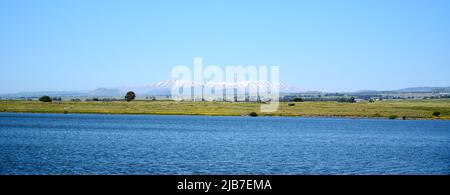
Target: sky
333,46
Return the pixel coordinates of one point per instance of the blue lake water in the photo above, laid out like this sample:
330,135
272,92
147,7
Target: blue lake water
155,144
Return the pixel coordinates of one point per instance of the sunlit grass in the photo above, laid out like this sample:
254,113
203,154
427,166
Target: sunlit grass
412,109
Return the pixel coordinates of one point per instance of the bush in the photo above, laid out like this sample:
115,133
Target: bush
291,104
45,98
348,100
56,99
392,116
130,96
436,113
253,114
376,115
352,100
298,100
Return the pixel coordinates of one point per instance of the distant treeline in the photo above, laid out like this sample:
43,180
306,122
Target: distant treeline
317,99
99,100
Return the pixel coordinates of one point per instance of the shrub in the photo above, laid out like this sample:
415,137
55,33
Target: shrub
376,115
253,114
436,113
298,100
348,100
392,116
352,100
45,98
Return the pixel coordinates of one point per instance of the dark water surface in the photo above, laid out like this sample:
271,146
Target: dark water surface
155,144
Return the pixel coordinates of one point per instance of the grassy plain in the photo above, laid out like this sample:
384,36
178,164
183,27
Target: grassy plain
411,109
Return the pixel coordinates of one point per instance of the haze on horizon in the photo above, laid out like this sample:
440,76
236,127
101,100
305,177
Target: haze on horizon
320,45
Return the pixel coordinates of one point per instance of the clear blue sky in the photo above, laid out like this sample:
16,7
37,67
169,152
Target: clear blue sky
319,45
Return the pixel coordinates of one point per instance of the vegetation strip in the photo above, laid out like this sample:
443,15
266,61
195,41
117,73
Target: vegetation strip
398,109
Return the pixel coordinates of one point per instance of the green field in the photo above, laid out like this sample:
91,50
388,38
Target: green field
411,109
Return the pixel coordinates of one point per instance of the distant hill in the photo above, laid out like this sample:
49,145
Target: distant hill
425,90
104,92
42,93
408,90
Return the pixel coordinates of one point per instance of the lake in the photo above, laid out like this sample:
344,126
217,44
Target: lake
157,144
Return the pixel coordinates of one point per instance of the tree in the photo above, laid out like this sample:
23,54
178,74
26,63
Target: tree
253,114
436,113
352,100
45,98
130,96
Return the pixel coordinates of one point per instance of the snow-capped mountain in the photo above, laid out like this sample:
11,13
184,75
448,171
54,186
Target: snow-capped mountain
160,88
164,87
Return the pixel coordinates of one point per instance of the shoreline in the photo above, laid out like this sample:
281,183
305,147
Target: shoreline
276,116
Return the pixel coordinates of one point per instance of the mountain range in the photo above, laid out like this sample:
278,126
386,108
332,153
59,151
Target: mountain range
158,88
164,88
